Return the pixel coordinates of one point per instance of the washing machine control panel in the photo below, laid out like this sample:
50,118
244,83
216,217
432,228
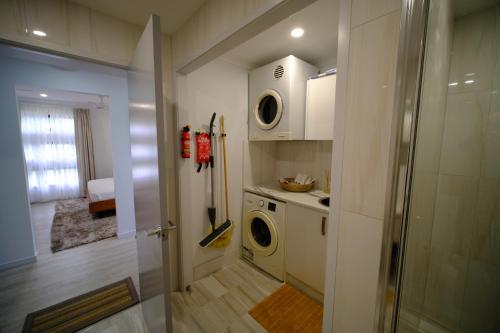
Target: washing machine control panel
271,206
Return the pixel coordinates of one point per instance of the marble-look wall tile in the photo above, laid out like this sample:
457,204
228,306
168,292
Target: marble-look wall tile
358,263
259,162
120,39
496,75
474,52
310,157
494,114
454,214
71,28
486,228
266,162
79,29
50,17
428,153
11,19
370,97
419,243
434,87
366,10
445,288
466,116
491,157
481,301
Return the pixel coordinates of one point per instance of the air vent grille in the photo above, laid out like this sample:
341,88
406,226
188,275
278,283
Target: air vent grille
278,72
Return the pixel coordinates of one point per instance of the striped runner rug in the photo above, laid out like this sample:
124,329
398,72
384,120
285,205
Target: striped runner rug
84,310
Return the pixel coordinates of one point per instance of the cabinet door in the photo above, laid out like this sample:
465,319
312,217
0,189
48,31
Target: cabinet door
306,245
320,108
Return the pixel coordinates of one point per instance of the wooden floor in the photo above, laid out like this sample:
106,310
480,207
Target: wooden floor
56,277
217,303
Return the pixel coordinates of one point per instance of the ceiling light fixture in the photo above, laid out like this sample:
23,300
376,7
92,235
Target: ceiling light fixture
43,95
297,33
469,81
451,84
39,33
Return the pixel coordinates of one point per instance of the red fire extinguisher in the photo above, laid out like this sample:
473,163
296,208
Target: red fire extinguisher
186,142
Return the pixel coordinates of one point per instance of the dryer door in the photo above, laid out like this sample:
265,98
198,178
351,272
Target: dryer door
260,233
268,109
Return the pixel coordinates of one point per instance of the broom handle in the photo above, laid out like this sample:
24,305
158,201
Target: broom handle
223,133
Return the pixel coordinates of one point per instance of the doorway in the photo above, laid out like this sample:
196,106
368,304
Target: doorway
55,277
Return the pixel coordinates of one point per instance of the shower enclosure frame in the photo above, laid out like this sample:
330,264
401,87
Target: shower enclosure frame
411,51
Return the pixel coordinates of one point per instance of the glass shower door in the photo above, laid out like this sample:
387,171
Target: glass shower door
450,278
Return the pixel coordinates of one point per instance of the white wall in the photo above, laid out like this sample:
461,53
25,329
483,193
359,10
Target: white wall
16,239
101,138
222,88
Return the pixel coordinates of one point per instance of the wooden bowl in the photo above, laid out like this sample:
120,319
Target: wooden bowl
291,186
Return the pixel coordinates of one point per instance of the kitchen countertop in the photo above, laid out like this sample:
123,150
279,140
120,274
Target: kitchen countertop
304,199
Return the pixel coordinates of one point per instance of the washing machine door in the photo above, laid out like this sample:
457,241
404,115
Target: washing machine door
268,109
261,233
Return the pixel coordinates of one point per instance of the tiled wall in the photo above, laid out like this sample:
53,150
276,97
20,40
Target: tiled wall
266,162
428,153
310,157
70,27
461,289
369,79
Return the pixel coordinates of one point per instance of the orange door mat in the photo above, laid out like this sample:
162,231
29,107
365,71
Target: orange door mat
288,310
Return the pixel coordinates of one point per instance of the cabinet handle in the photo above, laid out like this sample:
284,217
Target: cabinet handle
323,225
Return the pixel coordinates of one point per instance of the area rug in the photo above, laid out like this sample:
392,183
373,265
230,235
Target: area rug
73,225
288,310
84,310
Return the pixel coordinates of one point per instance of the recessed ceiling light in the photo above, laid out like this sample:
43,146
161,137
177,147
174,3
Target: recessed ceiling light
451,84
39,33
469,81
43,95
297,32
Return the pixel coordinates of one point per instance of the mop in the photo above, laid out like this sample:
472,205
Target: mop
225,238
226,226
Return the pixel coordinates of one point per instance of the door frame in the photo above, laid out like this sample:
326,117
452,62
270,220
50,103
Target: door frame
167,79
409,75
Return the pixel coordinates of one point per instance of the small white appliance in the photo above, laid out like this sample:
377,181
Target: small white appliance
264,233
277,100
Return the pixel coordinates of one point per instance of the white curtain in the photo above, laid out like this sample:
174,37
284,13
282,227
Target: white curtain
49,147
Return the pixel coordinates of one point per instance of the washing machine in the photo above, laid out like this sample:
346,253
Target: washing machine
264,233
277,100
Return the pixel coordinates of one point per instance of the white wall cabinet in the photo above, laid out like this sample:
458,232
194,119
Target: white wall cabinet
306,245
320,108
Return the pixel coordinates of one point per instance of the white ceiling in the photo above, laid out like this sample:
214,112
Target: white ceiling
318,46
33,93
173,13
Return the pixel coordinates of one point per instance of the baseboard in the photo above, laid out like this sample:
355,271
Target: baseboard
202,270
314,294
16,263
126,234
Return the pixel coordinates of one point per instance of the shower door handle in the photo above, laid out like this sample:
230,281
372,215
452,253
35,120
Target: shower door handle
323,225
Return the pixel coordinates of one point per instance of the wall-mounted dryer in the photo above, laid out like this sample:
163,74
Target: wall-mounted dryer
277,100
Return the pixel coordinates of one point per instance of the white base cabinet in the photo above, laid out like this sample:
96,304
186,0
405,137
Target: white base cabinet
306,245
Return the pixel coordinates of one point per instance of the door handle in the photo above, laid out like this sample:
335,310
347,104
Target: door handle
323,225
161,232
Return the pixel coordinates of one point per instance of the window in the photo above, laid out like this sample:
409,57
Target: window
49,148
